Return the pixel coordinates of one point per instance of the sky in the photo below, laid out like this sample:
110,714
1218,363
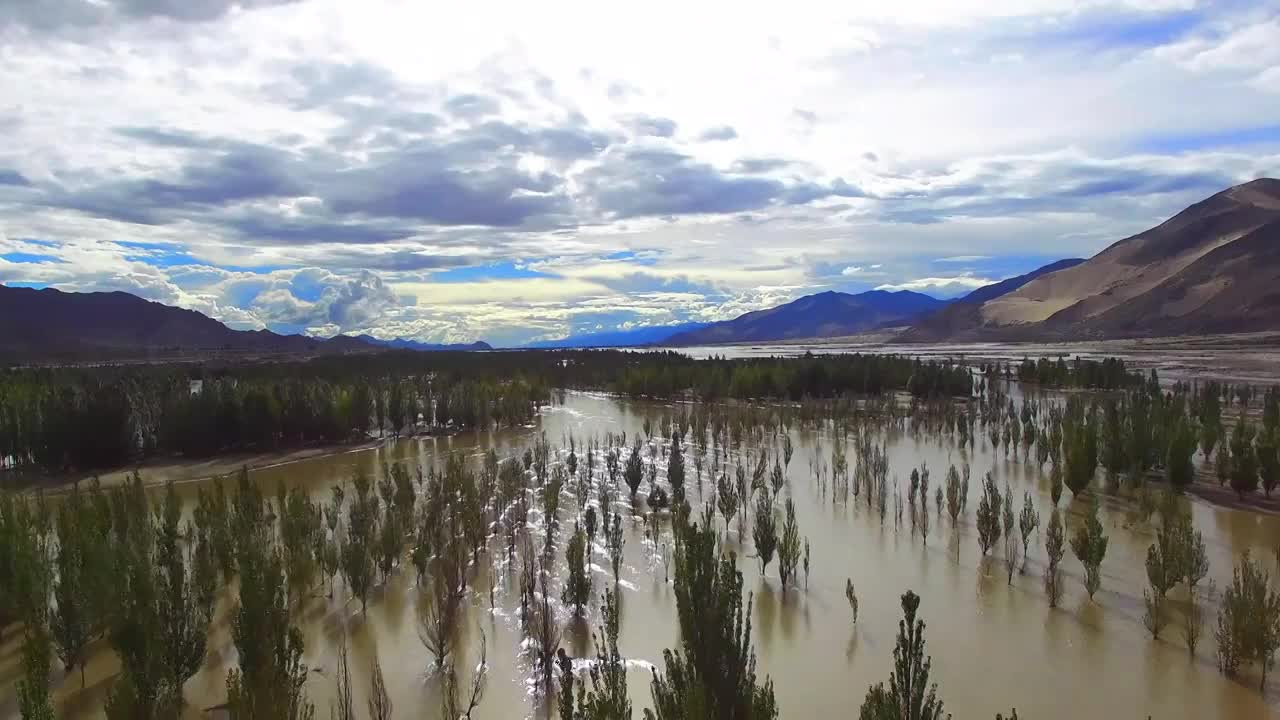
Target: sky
515,171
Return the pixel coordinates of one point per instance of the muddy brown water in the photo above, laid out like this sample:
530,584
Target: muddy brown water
994,646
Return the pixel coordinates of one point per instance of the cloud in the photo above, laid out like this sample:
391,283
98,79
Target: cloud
718,133
651,126
943,286
54,14
963,258
260,157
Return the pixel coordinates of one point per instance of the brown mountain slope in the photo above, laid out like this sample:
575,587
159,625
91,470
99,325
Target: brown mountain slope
1209,269
1234,288
50,325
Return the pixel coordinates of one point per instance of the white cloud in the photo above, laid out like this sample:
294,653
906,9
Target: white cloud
945,286
816,138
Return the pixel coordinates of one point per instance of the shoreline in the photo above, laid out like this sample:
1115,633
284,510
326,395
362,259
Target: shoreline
158,472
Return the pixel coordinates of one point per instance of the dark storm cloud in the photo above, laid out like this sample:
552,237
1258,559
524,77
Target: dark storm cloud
657,182
269,228
722,132
664,182
56,14
406,261
243,172
1058,186
417,185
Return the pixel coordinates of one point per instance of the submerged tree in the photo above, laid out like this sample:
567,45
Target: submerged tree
1249,621
988,517
1055,548
765,531
909,695
789,546
713,673
1028,521
1089,544
268,683
577,588
615,542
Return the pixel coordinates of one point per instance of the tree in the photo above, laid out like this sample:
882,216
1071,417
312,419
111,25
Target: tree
1244,463
634,471
713,673
789,546
1054,543
852,597
765,531
379,702
70,620
909,695
269,681
438,615
357,563
1089,544
1267,451
577,588
726,500
675,469
607,699
1249,621
33,689
615,542
1028,521
184,604
1179,469
988,517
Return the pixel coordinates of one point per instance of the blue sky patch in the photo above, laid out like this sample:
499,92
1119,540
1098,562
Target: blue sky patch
24,257
1240,137
480,273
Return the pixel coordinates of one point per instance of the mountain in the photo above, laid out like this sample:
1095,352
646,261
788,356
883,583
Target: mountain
1008,285
49,325
965,313
405,344
1212,268
827,314
634,337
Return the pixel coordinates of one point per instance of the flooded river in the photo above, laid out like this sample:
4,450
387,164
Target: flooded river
994,646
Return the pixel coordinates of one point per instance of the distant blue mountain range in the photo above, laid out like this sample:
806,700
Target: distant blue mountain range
826,314
652,335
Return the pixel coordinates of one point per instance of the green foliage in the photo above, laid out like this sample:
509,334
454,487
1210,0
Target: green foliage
1249,621
1089,544
268,683
1179,468
356,560
1055,548
634,471
988,516
764,532
577,588
615,541
789,546
712,676
1244,462
34,702
909,695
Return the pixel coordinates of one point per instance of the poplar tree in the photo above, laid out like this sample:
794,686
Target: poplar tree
909,696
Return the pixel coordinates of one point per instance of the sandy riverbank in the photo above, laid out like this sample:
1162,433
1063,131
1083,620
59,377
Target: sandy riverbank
161,470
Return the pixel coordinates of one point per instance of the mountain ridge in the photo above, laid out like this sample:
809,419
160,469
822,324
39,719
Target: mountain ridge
635,337
825,314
